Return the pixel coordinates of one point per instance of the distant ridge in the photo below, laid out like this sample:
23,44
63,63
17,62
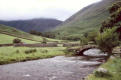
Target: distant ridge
41,25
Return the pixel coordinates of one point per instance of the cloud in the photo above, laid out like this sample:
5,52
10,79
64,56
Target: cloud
27,9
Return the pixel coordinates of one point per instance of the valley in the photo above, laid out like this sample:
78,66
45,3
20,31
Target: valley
86,46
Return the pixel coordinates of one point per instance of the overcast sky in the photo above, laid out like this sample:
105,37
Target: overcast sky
28,9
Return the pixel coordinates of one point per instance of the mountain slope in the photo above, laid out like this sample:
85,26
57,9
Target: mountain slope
8,39
87,19
34,24
17,33
9,33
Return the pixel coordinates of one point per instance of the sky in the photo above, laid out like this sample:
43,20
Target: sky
29,9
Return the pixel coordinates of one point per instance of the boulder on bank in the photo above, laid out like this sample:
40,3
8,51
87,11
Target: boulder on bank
102,72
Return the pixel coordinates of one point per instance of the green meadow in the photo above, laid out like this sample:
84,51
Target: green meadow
18,54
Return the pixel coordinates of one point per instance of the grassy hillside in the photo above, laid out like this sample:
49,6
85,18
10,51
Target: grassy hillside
6,39
17,33
8,33
89,18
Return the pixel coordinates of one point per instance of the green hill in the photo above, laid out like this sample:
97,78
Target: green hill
7,39
87,19
7,34
40,24
17,33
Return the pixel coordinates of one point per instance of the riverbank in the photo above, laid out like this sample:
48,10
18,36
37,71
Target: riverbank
20,54
56,68
113,65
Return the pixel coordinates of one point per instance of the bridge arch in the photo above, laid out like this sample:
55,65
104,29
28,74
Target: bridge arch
85,48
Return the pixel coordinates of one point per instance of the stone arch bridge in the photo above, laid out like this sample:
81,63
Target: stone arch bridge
81,50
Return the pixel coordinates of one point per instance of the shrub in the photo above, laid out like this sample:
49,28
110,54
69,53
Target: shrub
69,51
115,7
83,41
108,40
92,35
101,72
117,64
17,40
34,32
44,40
30,51
48,34
17,51
44,51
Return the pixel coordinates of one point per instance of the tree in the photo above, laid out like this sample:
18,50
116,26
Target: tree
114,19
48,34
92,35
108,40
35,33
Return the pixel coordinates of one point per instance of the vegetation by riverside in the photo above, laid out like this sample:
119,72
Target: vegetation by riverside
18,54
114,68
108,39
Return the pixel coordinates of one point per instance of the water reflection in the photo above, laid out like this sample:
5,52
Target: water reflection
94,52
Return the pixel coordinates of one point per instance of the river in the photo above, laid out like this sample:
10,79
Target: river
57,68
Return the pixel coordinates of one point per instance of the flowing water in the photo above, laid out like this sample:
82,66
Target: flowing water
94,52
57,68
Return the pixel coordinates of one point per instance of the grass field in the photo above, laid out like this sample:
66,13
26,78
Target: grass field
114,67
6,39
18,54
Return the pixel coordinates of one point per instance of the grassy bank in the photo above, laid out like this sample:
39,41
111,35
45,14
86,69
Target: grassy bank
114,67
18,54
